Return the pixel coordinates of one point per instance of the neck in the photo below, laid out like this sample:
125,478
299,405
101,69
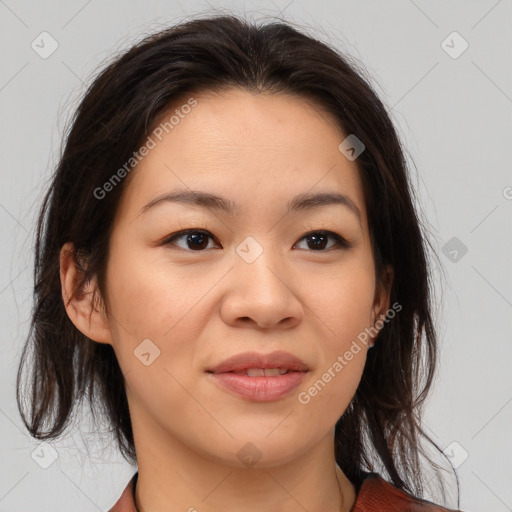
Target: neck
173,476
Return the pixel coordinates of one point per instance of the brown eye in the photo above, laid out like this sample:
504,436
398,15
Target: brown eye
195,240
318,240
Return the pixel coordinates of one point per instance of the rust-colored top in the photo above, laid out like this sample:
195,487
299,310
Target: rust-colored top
375,495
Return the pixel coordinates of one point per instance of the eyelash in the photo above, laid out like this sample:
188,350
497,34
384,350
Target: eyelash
341,242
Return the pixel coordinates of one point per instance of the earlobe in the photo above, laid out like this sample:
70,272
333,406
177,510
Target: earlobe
81,307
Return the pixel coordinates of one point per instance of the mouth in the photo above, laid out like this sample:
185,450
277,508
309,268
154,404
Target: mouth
262,372
275,362
256,386
259,378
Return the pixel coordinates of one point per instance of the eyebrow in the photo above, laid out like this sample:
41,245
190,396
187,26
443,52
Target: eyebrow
212,202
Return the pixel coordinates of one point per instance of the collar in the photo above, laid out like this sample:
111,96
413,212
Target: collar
374,495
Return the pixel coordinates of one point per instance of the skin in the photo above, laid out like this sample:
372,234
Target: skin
201,306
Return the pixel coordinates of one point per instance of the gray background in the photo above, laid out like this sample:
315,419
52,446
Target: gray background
454,116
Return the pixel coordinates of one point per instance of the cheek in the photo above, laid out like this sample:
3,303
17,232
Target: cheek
328,395
150,298
329,391
343,304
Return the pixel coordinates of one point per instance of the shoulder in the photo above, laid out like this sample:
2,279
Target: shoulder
376,494
126,502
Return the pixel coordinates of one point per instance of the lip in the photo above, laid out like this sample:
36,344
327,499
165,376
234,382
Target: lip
248,360
261,388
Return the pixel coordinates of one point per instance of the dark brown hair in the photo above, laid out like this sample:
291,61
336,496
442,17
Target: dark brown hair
382,425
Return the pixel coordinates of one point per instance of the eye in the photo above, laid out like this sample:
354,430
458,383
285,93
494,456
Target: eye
318,240
195,239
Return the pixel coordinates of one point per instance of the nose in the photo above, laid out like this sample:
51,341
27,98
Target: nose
263,294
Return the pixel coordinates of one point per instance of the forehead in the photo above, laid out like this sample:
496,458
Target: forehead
251,148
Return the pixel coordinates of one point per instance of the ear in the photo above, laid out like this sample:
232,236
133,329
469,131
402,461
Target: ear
84,310
382,296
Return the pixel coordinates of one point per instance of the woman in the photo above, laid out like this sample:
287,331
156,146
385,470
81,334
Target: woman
230,265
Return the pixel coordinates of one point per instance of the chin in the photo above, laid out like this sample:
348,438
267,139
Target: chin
260,451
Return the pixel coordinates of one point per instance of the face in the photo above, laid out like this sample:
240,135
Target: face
260,274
